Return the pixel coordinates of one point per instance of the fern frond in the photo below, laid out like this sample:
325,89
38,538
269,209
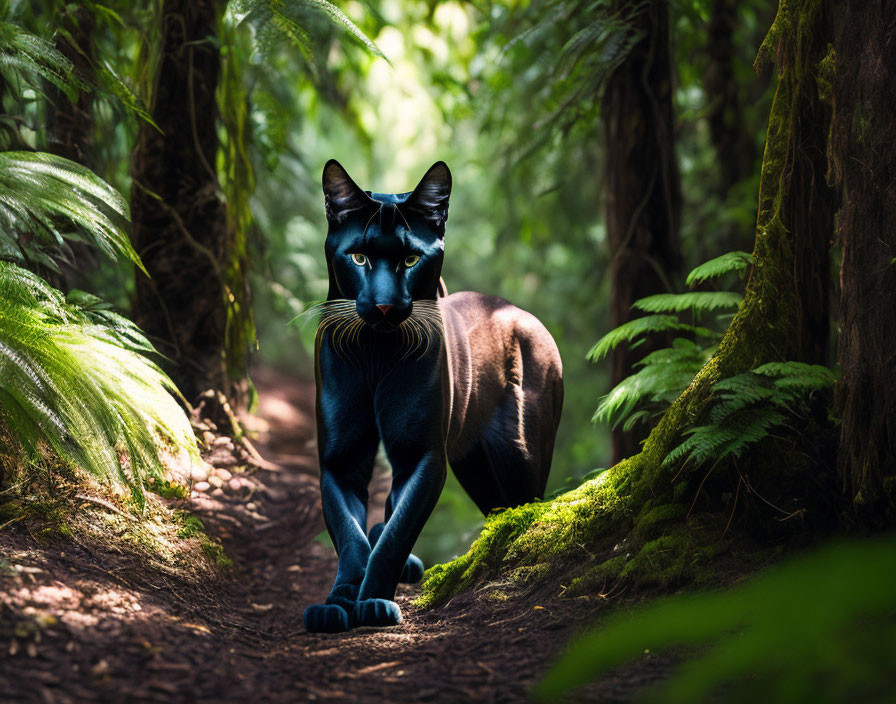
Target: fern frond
730,261
111,84
632,330
798,375
34,59
282,15
695,300
39,193
73,385
664,374
748,406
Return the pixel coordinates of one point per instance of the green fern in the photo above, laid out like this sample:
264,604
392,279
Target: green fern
665,373
42,196
561,56
662,376
286,18
697,301
33,59
633,330
76,379
81,387
714,268
747,407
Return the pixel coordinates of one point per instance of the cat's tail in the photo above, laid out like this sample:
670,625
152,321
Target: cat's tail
443,289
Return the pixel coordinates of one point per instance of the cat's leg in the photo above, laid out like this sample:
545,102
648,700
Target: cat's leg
348,442
508,464
415,490
412,435
413,566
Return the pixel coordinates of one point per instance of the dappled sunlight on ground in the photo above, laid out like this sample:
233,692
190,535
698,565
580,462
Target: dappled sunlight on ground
84,620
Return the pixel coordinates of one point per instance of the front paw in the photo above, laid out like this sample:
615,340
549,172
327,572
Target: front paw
326,618
344,595
375,612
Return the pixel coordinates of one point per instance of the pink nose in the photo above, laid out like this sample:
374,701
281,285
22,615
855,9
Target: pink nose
384,307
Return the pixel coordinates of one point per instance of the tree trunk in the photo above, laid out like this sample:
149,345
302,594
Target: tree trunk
729,135
181,228
864,161
727,131
70,124
70,134
643,199
630,523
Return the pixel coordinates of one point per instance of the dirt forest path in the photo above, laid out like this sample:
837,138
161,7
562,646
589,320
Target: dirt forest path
81,622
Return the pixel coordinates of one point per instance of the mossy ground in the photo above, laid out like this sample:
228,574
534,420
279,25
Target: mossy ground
55,503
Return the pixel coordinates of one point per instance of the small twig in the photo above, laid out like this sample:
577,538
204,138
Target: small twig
699,488
105,504
17,518
736,494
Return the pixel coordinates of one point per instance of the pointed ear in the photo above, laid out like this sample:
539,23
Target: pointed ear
342,196
430,197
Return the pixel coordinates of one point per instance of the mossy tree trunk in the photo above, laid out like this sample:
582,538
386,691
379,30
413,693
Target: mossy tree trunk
181,226
638,520
863,153
643,196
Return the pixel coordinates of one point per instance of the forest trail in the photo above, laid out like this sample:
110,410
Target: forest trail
84,622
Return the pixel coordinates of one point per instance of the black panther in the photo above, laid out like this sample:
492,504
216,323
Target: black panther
467,380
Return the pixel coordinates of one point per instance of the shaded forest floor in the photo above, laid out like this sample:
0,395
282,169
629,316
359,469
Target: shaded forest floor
85,620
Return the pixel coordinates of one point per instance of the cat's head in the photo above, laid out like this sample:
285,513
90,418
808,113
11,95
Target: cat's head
384,251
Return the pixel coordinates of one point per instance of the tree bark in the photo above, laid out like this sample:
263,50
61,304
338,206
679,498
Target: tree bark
70,124
863,153
643,197
727,130
179,214
70,133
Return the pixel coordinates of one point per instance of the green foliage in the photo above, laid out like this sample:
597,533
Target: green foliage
819,628
273,20
663,374
699,301
633,331
747,407
560,56
714,268
83,389
76,379
42,195
33,59
168,489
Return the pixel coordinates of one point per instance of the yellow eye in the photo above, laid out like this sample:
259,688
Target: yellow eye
359,259
411,260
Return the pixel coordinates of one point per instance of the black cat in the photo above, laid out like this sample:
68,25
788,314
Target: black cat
466,379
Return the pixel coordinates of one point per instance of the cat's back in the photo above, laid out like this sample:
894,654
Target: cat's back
492,347
492,325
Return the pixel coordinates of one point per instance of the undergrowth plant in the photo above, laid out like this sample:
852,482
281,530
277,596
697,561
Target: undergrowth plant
77,380
747,407
663,374
744,409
